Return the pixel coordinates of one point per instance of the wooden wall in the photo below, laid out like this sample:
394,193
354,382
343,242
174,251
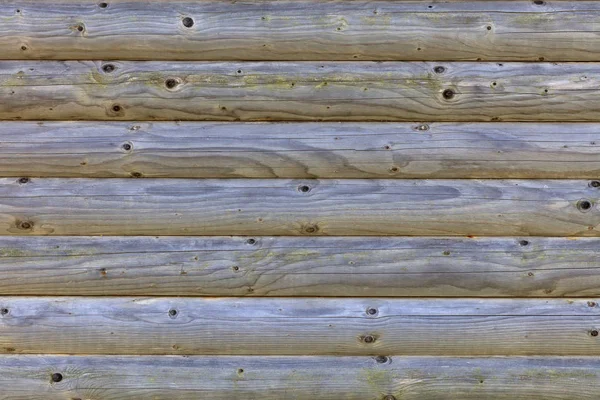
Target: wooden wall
299,199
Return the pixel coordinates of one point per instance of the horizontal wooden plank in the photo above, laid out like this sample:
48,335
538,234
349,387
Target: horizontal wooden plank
300,266
300,150
307,91
298,326
304,378
183,207
300,30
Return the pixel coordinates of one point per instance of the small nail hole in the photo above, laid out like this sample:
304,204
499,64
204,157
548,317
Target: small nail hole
187,22
116,108
235,268
57,377
489,28
251,241
23,48
126,146
240,371
173,313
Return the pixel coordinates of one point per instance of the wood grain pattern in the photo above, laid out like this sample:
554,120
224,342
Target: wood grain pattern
307,378
184,207
300,30
307,91
300,150
300,266
307,326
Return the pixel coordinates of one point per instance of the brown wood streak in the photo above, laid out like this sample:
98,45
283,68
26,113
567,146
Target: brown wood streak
303,91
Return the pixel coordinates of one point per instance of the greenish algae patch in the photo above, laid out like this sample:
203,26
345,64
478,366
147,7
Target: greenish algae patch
8,252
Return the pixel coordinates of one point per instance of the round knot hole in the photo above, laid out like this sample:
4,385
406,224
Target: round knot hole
251,241
173,313
57,377
23,181
188,22
524,242
595,184
108,68
381,359
584,205
448,94
4,311
368,339
371,311
25,225
439,69
171,83
594,333
304,188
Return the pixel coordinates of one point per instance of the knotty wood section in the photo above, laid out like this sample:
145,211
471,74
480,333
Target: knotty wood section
300,150
308,378
300,30
299,326
183,207
300,266
304,91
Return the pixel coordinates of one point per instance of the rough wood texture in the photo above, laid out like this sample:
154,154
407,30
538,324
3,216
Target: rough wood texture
308,326
300,150
369,91
301,266
300,30
300,378
184,207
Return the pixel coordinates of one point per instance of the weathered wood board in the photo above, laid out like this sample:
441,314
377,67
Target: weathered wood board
307,378
299,326
300,30
301,266
300,150
184,207
307,91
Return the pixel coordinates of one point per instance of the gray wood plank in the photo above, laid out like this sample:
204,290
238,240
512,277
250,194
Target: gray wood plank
300,30
184,207
299,150
307,378
294,326
300,266
303,91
